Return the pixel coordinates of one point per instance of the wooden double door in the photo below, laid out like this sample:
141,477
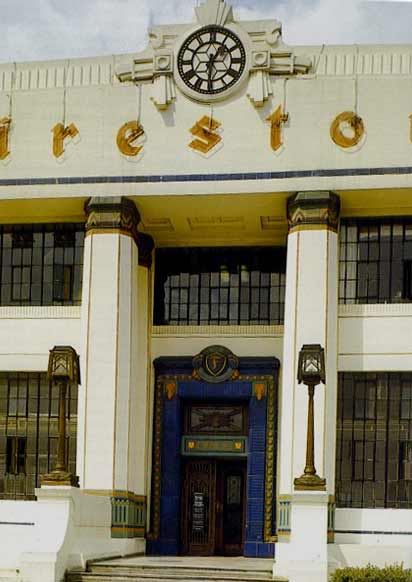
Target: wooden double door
213,507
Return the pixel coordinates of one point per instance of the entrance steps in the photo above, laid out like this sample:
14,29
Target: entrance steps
174,569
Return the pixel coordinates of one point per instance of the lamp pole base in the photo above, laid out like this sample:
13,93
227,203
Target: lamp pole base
310,482
59,479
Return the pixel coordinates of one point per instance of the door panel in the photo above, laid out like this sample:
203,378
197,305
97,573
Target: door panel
213,507
230,508
198,508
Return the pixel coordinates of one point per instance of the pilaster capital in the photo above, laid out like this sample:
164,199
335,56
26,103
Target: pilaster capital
314,210
146,245
114,214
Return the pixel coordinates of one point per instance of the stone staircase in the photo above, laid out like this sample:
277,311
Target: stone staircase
165,569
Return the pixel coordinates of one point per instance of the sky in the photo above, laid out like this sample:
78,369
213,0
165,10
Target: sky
54,29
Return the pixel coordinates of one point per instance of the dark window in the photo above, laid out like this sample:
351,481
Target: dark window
374,440
29,432
41,264
220,286
375,261
16,455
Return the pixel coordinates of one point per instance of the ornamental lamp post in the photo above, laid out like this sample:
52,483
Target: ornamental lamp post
63,369
311,371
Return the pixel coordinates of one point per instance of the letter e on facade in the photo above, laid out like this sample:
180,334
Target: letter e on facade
127,137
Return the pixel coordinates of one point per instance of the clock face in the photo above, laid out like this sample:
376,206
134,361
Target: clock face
211,60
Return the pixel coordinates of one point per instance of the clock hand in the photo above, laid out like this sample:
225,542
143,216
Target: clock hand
211,62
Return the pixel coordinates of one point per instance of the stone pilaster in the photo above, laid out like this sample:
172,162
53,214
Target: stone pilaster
113,409
311,317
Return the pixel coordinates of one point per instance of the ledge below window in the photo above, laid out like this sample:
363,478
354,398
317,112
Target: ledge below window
40,312
217,330
376,310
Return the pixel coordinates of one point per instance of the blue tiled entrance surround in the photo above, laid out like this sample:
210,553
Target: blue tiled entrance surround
168,539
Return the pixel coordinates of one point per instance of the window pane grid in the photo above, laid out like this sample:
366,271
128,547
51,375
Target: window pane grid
374,440
375,261
220,286
29,430
41,264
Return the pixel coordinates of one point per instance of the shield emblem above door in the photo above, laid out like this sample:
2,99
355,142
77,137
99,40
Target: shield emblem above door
215,364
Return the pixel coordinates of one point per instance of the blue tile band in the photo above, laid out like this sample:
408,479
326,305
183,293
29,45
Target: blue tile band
224,177
372,532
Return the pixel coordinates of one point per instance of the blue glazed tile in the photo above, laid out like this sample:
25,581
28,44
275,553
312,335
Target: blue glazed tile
250,550
255,512
168,548
257,434
255,530
255,487
170,505
256,463
265,550
170,485
170,528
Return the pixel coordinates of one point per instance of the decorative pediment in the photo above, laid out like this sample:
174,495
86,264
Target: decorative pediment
216,12
266,56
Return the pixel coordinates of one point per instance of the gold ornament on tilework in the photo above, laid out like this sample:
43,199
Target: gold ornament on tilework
4,137
170,390
157,455
60,134
259,388
270,459
195,375
127,137
277,119
204,130
351,120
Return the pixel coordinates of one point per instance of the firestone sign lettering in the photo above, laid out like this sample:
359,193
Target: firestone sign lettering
347,130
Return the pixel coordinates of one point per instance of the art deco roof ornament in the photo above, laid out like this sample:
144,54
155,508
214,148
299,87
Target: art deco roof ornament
212,58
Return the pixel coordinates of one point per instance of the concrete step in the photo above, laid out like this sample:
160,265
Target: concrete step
170,573
147,574
164,578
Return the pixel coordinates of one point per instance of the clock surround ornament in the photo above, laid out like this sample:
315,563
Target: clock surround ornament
211,62
264,56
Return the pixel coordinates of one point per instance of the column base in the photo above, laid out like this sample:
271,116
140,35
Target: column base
307,482
59,479
305,557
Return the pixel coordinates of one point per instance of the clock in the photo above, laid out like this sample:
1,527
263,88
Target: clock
211,61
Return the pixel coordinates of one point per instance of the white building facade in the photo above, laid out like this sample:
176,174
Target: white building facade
187,218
